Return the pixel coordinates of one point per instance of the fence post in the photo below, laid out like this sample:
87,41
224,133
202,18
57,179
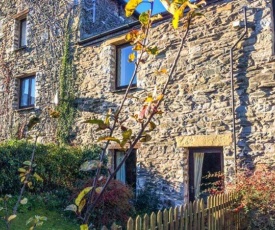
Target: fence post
159,220
138,223
181,217
130,224
176,218
153,221
165,219
146,222
195,216
202,211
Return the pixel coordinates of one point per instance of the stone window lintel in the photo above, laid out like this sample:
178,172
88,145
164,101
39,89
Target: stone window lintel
21,15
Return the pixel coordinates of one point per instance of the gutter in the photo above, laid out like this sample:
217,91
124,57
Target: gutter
232,88
129,26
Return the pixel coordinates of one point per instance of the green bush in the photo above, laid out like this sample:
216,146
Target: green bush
58,166
147,201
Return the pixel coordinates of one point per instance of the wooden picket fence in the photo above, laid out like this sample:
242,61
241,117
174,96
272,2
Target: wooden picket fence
220,213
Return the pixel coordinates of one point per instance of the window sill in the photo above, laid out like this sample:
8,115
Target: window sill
124,89
21,48
25,109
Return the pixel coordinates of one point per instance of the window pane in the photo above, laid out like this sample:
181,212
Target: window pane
24,92
27,92
32,93
120,175
23,33
125,68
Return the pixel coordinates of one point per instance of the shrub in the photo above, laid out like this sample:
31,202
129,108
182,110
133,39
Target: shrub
58,166
147,201
115,205
257,189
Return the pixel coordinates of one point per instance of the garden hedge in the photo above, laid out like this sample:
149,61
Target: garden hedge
58,166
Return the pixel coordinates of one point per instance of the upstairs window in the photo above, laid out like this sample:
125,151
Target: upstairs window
27,92
20,30
125,69
23,33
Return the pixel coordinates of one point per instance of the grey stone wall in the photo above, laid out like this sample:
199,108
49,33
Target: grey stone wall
198,101
41,58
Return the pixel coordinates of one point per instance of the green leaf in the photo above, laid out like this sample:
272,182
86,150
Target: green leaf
1,208
131,7
29,220
71,207
152,126
100,123
127,134
28,163
41,218
153,50
82,194
90,165
24,201
37,177
146,138
22,170
109,139
144,18
11,217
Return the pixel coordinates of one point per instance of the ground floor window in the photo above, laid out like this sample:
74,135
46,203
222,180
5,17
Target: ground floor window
203,161
127,173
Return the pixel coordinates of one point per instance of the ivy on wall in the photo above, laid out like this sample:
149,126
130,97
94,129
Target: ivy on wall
66,107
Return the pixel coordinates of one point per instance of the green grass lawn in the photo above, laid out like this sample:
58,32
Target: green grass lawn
56,221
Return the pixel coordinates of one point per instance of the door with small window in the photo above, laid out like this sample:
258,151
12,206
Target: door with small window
205,168
127,173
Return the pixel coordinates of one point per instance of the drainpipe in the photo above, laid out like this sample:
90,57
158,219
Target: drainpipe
232,88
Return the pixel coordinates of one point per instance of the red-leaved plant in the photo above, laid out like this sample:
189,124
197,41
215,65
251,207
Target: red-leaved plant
115,205
257,190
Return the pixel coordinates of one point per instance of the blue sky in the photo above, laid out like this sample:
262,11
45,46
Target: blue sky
158,8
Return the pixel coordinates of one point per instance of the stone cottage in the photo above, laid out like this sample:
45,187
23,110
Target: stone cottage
204,127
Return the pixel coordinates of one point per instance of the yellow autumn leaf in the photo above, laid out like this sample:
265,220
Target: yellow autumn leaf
84,227
82,194
159,97
131,7
138,46
11,217
191,6
24,201
170,7
131,57
81,205
161,71
149,99
176,18
156,17
132,35
98,190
